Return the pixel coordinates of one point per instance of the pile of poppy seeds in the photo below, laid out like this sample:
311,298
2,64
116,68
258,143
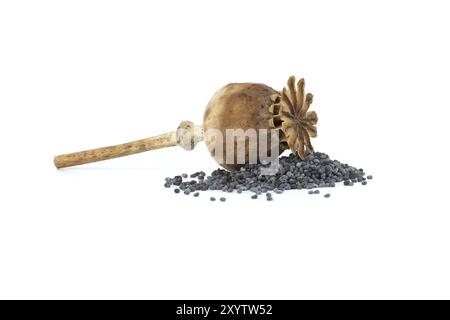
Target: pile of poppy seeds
316,171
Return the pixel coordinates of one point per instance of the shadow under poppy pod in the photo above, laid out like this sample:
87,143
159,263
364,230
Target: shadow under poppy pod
236,106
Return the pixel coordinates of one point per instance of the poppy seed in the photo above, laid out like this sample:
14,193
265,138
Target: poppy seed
317,170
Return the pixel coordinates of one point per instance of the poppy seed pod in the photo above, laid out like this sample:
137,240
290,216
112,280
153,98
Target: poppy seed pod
250,122
258,107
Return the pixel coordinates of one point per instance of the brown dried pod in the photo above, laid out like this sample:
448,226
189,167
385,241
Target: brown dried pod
257,106
238,106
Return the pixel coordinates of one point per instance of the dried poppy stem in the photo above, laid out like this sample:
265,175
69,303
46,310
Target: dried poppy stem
187,136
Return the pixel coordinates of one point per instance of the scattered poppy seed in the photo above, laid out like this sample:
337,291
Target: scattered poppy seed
212,199
369,177
327,195
317,170
177,180
223,199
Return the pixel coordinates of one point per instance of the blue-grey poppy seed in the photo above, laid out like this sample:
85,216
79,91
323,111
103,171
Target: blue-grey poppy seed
317,170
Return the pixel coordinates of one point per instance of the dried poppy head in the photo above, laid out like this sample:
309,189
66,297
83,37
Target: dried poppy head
243,108
259,107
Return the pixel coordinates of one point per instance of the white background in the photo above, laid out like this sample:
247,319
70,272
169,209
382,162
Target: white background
83,74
